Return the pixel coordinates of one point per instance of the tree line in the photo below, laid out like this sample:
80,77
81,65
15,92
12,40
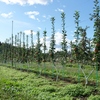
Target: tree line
82,50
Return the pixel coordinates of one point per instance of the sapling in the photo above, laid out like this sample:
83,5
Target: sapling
76,47
52,42
38,51
83,45
20,47
27,50
12,46
15,50
12,51
23,50
96,39
32,47
44,47
52,46
64,42
77,35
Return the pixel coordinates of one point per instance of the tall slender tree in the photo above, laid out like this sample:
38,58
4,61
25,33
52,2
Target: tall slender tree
15,50
32,47
23,52
52,47
27,50
64,42
77,34
38,49
83,45
12,47
44,46
52,42
20,48
96,17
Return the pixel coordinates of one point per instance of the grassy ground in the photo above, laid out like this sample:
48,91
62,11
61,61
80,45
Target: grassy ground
24,85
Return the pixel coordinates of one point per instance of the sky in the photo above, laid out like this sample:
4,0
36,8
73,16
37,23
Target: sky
36,14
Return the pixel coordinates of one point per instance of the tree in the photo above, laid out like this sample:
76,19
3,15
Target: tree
27,49
96,17
64,42
32,47
12,51
23,50
77,34
83,45
38,49
44,46
52,42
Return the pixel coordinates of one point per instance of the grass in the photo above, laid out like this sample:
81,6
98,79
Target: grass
30,85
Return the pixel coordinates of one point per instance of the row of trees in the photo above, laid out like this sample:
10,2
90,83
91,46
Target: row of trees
18,49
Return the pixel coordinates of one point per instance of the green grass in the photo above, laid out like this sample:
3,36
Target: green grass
24,85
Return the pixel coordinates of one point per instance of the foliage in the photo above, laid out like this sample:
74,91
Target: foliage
92,97
96,17
38,49
64,42
52,42
76,90
44,46
77,34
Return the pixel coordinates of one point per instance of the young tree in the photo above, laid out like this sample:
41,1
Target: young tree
44,46
52,42
15,50
77,34
96,17
38,51
20,47
83,45
38,48
64,42
52,47
23,50
27,49
32,47
12,51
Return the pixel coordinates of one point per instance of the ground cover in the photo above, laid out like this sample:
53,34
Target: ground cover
24,85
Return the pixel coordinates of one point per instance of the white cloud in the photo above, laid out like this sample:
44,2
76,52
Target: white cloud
37,19
39,28
44,16
60,10
7,15
30,2
58,38
32,15
29,32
